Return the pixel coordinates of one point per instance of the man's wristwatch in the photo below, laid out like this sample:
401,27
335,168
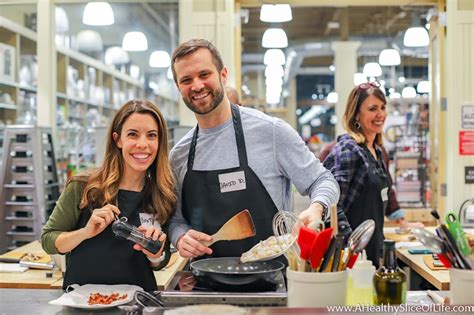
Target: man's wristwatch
325,210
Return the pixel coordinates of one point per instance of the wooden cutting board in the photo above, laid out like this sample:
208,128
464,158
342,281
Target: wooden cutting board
33,248
429,262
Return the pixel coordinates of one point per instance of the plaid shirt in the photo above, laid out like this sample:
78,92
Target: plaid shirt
349,164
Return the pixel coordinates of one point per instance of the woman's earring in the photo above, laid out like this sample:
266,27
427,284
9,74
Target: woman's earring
357,125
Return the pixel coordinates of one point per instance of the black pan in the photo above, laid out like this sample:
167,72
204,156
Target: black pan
229,274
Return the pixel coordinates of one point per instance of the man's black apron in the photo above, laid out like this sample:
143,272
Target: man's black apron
206,208
108,259
372,204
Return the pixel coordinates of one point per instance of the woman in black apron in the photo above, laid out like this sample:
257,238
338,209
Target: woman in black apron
134,182
357,164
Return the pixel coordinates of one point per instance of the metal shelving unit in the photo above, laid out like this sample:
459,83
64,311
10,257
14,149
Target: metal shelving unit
29,184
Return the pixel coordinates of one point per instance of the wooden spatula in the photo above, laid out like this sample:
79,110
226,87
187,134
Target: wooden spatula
238,227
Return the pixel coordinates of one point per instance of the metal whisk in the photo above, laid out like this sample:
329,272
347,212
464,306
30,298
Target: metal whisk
286,226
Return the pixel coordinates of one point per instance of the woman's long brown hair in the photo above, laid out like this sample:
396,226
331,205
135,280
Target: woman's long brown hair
103,183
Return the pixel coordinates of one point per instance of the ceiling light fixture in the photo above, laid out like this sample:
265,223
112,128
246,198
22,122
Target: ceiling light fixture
274,56
62,21
98,13
359,78
274,71
389,57
134,41
332,98
159,59
169,74
423,87
372,69
408,92
275,13
416,37
116,56
89,41
274,38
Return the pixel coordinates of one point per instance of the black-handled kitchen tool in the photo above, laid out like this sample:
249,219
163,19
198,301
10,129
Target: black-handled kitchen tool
328,255
131,233
337,252
460,260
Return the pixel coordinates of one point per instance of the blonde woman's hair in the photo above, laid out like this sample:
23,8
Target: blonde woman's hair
354,101
103,183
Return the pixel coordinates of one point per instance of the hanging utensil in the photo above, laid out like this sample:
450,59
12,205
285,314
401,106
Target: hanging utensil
238,227
358,240
429,240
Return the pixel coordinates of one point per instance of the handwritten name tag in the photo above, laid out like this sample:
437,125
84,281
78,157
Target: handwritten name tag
232,181
384,194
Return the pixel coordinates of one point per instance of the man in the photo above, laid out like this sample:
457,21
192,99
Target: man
235,158
232,95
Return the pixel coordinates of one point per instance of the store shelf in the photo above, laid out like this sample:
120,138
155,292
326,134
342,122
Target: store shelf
8,106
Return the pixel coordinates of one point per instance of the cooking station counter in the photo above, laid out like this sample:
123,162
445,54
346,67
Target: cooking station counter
31,301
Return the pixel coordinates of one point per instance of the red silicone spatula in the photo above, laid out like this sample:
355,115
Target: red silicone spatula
306,237
319,247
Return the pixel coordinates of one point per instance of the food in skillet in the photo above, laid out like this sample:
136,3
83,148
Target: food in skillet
97,298
268,249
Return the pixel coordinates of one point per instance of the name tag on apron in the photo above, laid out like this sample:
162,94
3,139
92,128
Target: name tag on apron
232,181
146,220
384,194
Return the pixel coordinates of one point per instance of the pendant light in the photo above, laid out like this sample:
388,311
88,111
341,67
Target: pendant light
62,21
332,97
275,13
274,38
115,55
416,37
274,71
274,56
408,92
134,41
169,73
98,13
159,59
372,69
89,41
389,57
423,87
359,78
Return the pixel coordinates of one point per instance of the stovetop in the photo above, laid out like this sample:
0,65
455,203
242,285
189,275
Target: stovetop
185,291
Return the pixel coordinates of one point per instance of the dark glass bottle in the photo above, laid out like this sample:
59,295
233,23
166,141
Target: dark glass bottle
390,282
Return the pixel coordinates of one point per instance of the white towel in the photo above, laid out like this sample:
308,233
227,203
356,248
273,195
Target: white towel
12,268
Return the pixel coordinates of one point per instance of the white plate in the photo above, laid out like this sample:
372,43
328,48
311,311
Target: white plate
79,297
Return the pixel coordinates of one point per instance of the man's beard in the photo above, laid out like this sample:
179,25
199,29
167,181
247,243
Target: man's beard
217,96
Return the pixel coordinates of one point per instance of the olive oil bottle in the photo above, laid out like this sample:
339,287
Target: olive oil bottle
390,282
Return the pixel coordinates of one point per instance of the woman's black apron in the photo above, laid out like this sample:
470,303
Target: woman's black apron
108,259
210,198
372,204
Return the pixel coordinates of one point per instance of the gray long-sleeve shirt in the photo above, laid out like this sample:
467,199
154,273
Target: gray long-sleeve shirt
276,153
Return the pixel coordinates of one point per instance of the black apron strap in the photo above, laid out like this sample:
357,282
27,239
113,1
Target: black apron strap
239,137
192,148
